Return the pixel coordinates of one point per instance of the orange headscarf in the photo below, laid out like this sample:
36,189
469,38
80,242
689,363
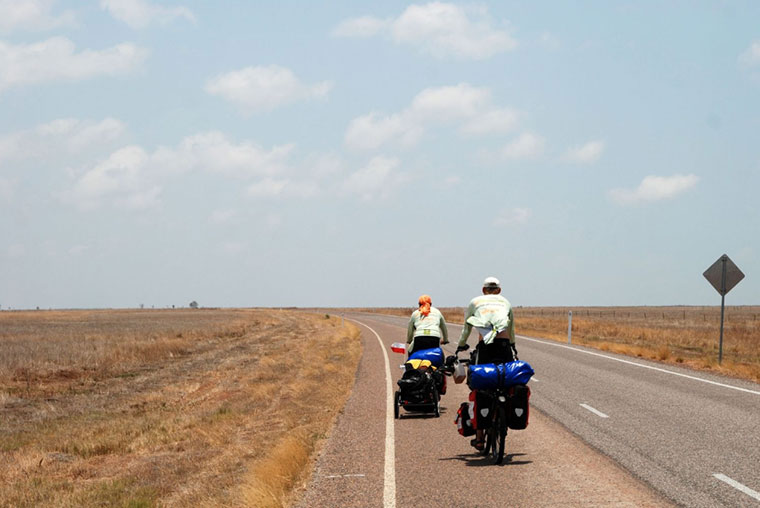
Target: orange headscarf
425,303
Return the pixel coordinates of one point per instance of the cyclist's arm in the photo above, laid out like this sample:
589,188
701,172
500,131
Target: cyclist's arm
410,330
444,331
511,327
467,328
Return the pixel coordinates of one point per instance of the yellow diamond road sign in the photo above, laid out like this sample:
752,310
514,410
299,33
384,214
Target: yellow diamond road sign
723,275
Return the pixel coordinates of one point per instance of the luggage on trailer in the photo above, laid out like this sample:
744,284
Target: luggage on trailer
489,375
418,379
517,417
466,417
414,377
434,355
418,364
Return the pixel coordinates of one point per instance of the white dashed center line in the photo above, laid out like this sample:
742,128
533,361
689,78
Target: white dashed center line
595,411
738,486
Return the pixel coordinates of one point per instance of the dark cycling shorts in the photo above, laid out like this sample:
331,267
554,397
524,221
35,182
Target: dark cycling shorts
498,351
425,342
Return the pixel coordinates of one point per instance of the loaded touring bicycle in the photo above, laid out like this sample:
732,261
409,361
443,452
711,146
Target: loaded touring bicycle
504,387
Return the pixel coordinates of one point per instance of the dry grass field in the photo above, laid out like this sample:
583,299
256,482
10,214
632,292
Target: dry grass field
172,408
677,335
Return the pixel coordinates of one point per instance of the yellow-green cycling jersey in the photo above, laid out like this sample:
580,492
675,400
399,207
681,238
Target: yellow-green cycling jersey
491,315
432,325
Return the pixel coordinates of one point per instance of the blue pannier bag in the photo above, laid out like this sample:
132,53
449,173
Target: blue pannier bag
434,355
489,375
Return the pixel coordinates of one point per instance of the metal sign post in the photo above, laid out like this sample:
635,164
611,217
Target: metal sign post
570,327
723,275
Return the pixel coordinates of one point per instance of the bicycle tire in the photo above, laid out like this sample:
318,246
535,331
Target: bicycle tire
489,442
499,430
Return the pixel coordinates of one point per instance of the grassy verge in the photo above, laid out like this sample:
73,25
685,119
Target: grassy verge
171,408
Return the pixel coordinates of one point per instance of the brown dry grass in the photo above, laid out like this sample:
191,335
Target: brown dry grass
170,408
678,335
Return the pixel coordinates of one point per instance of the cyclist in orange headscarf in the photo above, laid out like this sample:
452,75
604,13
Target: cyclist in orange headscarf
427,328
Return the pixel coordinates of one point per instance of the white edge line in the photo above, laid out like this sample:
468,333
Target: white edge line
389,484
595,411
641,365
738,486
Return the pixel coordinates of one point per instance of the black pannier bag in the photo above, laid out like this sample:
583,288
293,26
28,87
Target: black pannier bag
519,407
412,382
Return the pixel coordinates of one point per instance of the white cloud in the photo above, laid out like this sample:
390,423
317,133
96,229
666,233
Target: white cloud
33,15
448,103
461,104
221,216
751,56
550,41
264,88
323,165
267,187
525,146
374,130
212,151
140,14
56,59
655,188
441,29
452,181
121,179
273,221
7,189
233,248
132,178
496,121
513,217
76,250
585,154
365,26
16,250
285,187
375,180
59,137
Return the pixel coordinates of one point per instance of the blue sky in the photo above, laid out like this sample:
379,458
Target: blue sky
352,154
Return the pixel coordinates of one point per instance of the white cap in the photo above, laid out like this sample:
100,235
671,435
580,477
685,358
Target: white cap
491,282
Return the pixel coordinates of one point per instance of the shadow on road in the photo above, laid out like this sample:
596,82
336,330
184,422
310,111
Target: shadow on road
478,460
420,415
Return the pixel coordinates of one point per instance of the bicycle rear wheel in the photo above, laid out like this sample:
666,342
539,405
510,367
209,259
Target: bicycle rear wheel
499,432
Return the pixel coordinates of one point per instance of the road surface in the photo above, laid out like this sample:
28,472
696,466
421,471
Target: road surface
605,430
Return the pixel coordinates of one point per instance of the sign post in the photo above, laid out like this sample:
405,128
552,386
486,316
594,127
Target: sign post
570,327
723,275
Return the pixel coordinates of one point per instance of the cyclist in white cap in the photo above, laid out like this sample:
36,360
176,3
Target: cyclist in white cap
491,315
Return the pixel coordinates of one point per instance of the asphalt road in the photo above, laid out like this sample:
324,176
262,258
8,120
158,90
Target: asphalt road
605,430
